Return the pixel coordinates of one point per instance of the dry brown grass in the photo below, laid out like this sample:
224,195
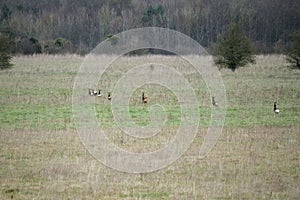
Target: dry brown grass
253,163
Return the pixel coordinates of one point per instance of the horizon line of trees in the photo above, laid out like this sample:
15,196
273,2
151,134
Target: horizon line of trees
67,26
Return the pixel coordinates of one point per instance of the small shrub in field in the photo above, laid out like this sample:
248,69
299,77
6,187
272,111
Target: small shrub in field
293,55
5,56
233,50
113,39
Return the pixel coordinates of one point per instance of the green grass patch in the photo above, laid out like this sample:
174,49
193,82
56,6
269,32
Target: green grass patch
37,94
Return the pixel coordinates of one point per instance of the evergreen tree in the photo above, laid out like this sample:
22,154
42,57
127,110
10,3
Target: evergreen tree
233,50
293,55
5,57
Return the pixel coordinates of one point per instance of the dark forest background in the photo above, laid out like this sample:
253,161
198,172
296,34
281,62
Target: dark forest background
77,26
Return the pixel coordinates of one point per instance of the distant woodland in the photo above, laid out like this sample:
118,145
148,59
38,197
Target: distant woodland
77,26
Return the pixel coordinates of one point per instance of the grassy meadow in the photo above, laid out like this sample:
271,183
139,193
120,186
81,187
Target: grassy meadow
256,157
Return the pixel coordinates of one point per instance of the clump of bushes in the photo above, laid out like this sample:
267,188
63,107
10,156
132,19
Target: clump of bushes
58,46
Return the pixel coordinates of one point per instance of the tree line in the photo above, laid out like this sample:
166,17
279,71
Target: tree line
61,26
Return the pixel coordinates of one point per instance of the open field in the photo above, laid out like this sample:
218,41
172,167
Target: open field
42,157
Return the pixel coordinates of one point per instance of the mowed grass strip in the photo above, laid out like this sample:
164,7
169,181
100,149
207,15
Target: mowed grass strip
37,94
